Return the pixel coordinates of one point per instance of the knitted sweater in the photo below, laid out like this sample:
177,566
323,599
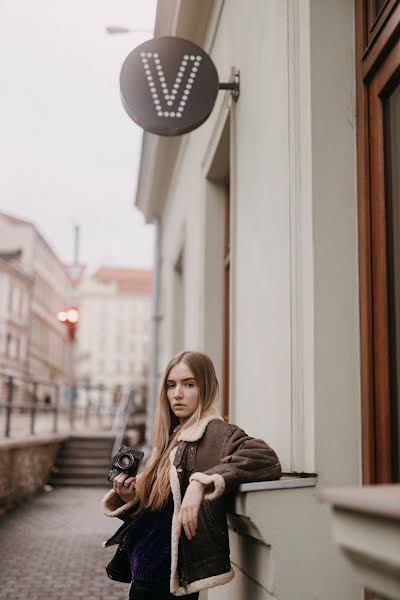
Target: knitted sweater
149,544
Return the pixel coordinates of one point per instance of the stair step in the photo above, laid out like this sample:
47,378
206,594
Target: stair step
79,459
84,462
98,482
85,452
92,440
93,436
82,473
94,444
104,449
81,446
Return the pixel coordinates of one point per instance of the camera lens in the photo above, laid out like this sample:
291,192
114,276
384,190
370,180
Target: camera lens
125,461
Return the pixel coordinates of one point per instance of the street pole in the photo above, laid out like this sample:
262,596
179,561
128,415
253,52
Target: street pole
71,345
70,381
76,244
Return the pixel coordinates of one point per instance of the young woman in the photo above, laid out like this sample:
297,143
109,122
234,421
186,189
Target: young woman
178,537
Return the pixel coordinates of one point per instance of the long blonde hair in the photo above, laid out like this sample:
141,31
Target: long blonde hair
152,485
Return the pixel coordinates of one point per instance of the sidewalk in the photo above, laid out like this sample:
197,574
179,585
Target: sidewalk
51,548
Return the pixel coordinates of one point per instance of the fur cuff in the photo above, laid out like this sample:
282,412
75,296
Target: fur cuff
113,505
215,480
204,584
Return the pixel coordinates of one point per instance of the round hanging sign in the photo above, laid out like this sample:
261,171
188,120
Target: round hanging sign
168,86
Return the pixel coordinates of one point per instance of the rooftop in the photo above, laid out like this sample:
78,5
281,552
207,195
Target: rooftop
15,220
127,280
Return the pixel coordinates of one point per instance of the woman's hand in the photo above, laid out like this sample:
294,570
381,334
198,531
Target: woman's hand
124,486
187,516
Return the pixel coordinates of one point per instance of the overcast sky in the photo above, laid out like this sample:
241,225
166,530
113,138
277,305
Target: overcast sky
69,154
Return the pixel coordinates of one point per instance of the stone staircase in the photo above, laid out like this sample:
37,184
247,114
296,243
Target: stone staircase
83,460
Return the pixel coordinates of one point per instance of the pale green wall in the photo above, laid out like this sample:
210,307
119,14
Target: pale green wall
295,360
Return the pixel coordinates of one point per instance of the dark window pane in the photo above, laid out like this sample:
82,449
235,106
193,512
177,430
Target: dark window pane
379,4
393,230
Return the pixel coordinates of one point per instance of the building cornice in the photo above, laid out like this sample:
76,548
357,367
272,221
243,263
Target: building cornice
198,22
17,270
17,222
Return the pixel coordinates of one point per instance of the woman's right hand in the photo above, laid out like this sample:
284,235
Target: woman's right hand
125,486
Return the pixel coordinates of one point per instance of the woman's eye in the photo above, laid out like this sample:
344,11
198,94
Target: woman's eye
170,386
190,384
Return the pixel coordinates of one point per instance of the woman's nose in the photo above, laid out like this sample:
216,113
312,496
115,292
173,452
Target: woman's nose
178,391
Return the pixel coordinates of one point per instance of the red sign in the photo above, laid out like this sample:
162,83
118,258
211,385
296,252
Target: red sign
75,273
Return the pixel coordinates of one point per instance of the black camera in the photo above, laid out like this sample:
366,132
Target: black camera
126,461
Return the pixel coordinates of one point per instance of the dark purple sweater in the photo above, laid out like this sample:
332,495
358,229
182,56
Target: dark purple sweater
149,544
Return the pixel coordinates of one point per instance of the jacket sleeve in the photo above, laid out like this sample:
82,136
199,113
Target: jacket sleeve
243,459
114,506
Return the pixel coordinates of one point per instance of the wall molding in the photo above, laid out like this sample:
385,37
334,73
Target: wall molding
301,234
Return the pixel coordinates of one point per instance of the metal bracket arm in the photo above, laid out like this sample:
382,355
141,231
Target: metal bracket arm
233,86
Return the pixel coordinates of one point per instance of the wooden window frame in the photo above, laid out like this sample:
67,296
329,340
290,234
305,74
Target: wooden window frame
375,24
226,306
377,46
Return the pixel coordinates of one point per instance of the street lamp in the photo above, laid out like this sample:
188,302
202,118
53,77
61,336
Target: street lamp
70,317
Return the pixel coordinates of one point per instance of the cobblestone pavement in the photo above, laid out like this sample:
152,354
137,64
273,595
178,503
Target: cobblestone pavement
51,548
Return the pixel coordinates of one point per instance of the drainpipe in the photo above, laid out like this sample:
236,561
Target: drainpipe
154,334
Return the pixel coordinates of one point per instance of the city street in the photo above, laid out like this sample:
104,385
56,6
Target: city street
51,548
200,288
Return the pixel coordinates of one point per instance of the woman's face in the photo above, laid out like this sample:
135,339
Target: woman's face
182,391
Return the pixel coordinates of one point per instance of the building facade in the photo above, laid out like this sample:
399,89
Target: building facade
44,341
113,334
15,293
265,261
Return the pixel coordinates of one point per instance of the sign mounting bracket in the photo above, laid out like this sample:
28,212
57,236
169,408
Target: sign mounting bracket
233,86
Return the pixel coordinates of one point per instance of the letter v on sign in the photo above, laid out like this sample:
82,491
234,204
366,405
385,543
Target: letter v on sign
170,102
168,85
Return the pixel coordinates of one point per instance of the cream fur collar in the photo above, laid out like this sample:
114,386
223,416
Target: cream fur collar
195,432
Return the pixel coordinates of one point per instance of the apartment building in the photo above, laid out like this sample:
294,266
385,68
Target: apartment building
15,296
113,334
36,285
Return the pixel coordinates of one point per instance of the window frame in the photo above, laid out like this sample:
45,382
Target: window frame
226,333
378,58
376,22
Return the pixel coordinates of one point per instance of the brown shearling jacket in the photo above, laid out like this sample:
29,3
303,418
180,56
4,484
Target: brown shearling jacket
221,456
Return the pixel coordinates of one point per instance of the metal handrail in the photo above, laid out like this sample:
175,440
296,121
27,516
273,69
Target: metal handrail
23,385
32,406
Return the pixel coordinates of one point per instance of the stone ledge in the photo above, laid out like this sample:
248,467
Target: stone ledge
25,466
375,500
285,482
32,440
366,527
239,519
